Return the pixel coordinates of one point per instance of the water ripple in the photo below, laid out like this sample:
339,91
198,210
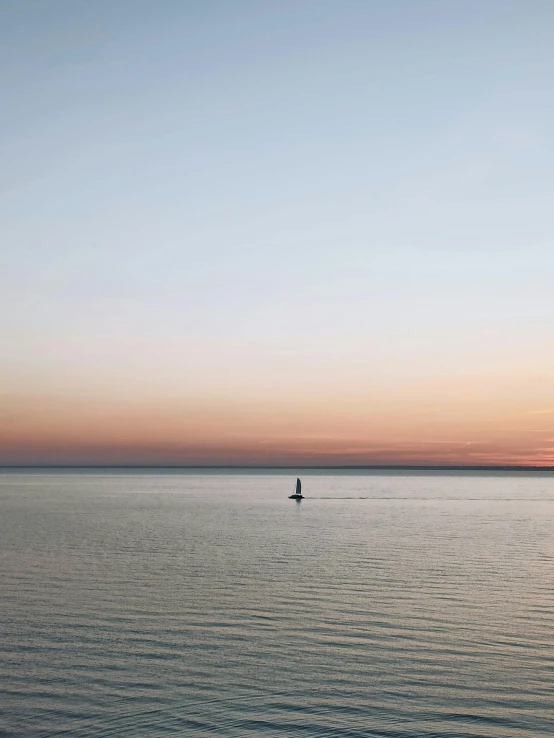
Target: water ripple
147,605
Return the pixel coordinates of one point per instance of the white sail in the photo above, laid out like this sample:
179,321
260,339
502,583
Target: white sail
297,494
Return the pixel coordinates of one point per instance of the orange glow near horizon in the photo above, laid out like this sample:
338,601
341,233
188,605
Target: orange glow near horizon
473,421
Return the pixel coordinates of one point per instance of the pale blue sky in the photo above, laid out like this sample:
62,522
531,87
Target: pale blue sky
192,188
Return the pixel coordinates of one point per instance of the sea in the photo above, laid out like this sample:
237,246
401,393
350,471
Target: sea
206,603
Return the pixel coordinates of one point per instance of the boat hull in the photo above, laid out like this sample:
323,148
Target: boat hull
296,497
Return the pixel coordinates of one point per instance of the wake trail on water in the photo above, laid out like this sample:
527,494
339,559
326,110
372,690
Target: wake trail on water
343,498
442,499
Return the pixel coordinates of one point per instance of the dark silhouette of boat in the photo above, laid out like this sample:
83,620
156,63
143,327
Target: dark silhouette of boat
298,492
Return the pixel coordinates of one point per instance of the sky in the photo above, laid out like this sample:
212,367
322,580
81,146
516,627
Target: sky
277,232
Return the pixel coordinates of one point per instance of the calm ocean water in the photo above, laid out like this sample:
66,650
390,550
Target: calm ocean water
188,604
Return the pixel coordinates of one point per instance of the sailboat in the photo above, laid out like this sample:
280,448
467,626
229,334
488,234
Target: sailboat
298,492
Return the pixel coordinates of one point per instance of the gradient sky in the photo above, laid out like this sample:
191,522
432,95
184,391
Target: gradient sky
280,232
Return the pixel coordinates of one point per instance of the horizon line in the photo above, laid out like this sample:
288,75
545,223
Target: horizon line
368,467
